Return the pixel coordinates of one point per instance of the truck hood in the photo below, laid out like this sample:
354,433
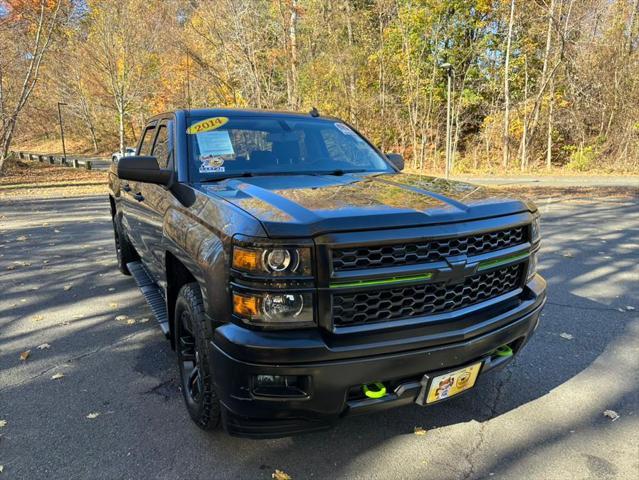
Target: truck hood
308,205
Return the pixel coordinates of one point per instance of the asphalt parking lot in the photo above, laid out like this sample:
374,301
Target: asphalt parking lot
540,418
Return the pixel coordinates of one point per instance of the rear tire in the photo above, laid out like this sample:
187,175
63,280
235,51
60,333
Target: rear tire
123,249
196,373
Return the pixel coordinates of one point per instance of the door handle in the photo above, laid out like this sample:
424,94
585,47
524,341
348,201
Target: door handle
138,196
126,187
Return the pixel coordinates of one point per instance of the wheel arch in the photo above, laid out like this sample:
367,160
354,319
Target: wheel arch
177,275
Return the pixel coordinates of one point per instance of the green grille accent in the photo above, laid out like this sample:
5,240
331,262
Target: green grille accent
485,265
386,281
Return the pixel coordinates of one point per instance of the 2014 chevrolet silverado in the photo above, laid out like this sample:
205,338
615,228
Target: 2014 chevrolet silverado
301,277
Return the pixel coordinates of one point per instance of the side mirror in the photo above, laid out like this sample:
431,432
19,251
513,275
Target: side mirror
396,159
143,169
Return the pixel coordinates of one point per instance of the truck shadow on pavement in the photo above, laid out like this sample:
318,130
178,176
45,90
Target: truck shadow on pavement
511,417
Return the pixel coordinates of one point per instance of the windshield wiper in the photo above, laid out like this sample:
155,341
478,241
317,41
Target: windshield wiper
227,176
339,172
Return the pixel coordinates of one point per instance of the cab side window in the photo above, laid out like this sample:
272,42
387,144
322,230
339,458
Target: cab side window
162,148
147,140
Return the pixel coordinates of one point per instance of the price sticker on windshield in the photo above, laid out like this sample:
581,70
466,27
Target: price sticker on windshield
207,125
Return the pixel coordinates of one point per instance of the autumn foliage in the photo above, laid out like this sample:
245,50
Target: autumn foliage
568,98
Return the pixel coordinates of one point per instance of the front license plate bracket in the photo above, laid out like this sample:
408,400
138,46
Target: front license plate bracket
450,383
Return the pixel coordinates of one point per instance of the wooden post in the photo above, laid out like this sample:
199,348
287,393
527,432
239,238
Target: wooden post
88,165
75,162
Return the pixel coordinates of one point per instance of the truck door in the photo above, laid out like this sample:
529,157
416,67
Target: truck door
130,199
154,202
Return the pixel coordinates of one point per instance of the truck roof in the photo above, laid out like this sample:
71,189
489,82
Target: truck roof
239,112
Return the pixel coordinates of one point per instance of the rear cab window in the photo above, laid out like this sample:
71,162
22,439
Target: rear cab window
146,142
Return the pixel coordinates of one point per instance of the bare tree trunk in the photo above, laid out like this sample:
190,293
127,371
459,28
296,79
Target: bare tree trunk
506,134
351,74
382,80
551,102
631,28
524,136
293,101
121,128
544,69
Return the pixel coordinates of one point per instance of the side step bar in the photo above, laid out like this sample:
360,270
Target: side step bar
152,293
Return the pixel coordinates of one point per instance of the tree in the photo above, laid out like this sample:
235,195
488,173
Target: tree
27,30
506,135
121,55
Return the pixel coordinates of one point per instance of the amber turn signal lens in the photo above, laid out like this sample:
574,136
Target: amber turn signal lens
245,259
245,306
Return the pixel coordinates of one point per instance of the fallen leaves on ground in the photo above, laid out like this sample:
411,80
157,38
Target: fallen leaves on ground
144,320
611,414
44,346
68,287
566,336
121,318
93,415
3,423
24,355
420,431
630,308
130,321
57,376
22,238
113,305
38,318
1,468
280,475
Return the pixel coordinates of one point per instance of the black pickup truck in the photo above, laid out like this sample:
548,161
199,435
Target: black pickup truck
301,277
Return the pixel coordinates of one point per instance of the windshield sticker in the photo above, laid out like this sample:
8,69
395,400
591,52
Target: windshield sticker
211,164
215,143
211,160
207,125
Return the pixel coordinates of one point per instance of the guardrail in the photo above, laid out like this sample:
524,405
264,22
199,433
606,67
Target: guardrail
73,162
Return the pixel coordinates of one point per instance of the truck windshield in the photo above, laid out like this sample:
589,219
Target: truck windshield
231,146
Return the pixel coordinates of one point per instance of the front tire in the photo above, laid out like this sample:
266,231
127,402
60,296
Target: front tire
196,375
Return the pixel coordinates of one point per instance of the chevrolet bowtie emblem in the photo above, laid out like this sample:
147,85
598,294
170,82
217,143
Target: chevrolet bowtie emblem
457,270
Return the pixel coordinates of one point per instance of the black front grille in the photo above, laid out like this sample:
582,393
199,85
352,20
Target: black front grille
426,251
426,299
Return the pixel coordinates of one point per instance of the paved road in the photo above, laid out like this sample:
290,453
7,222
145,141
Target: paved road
629,181
540,418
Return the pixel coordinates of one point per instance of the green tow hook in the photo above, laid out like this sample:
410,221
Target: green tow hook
503,351
374,390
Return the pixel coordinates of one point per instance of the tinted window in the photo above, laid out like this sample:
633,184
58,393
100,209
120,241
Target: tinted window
147,140
161,149
220,146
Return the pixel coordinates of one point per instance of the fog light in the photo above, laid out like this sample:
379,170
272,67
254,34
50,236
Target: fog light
292,386
270,380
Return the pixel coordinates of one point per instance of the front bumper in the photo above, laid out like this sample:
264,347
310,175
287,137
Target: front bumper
239,355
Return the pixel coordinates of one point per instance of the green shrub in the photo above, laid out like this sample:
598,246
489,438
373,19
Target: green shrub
581,159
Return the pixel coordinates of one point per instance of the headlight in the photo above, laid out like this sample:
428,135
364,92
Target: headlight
535,229
274,308
532,266
276,261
